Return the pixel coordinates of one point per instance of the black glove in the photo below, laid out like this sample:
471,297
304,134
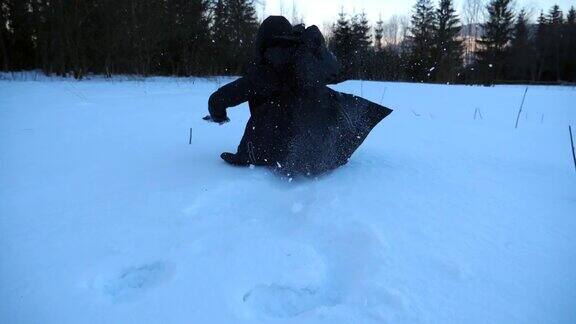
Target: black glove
219,120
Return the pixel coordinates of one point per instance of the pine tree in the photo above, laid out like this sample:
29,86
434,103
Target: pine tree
219,28
108,38
421,61
361,32
552,46
361,41
571,18
381,57
542,47
342,43
447,46
379,34
232,33
243,26
497,35
522,55
220,42
189,34
19,34
570,59
555,21
555,16
4,34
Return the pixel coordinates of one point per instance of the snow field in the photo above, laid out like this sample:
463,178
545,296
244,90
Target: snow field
107,215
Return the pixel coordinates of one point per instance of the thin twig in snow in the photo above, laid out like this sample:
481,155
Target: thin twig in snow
478,113
383,93
572,144
521,106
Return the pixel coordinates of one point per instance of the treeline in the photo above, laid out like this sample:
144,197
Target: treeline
512,49
432,46
144,37
215,37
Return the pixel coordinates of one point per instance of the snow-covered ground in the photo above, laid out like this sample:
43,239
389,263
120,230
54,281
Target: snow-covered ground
107,215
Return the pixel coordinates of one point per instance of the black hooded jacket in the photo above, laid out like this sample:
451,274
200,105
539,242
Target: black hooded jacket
298,125
285,59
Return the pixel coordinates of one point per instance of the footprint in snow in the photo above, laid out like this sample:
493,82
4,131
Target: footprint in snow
134,281
284,301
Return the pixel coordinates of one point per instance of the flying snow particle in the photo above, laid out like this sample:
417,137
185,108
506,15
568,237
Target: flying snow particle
297,207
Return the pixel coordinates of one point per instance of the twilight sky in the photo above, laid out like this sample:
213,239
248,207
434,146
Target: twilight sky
318,12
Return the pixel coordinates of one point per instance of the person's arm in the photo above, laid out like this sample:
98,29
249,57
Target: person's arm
229,95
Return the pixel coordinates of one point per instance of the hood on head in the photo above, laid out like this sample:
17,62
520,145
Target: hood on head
270,29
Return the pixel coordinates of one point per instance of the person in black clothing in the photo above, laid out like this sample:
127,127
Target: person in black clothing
298,126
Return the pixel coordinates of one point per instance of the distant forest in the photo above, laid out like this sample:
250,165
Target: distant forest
490,42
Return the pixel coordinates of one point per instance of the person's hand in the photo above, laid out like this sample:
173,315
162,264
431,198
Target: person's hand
219,121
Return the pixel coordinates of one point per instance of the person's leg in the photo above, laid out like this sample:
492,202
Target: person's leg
243,156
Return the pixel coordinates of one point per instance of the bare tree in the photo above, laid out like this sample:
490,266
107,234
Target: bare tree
404,27
471,14
262,4
281,7
296,17
3,30
394,30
